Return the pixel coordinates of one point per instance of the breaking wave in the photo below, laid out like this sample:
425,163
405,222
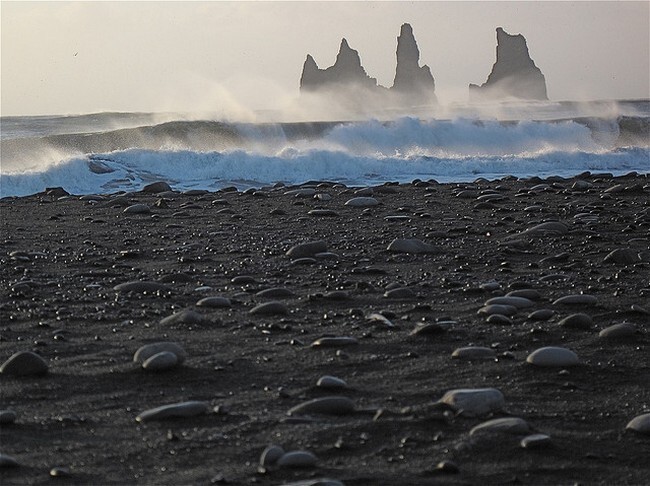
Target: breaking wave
214,154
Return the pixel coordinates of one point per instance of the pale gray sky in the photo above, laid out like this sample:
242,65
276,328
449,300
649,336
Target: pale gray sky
82,57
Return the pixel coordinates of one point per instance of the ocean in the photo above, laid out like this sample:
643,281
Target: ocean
111,152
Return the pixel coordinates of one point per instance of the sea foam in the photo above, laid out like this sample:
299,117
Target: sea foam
211,155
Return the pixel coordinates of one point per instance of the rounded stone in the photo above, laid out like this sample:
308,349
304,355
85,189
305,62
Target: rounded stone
60,472
323,213
400,293
508,425
137,209
474,401
304,192
541,315
505,310
548,228
162,361
577,321
530,294
24,363
7,417
428,329
535,441
622,256
174,410
141,287
331,383
473,352
297,459
499,319
334,341
308,249
149,350
622,330
156,187
185,316
271,454
7,461
552,356
214,302
518,302
640,423
576,299
447,467
270,309
362,202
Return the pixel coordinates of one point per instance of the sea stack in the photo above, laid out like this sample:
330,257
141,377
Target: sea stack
411,80
346,80
514,74
345,74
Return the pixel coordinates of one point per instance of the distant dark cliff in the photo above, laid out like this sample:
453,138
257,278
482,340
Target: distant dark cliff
347,78
514,74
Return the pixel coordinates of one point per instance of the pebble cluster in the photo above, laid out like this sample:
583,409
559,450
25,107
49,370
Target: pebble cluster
487,332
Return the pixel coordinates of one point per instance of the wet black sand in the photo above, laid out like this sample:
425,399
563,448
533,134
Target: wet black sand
62,256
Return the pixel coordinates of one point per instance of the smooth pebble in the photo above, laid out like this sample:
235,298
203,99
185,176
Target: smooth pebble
640,423
507,425
362,202
307,249
331,383
577,321
214,302
552,356
185,316
7,461
162,361
7,417
474,401
506,310
541,315
333,341
24,363
270,309
535,441
473,352
576,299
141,287
297,459
174,410
518,302
622,330
271,454
148,350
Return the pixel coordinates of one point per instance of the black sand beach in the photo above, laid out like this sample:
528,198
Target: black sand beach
62,257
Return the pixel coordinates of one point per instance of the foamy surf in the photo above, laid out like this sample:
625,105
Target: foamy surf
213,154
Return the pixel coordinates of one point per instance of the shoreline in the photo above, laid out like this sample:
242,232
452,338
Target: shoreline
425,256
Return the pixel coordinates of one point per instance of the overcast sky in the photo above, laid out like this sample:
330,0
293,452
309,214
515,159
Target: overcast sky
83,57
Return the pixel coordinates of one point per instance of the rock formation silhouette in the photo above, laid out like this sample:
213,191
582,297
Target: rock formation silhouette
412,80
346,80
514,74
346,72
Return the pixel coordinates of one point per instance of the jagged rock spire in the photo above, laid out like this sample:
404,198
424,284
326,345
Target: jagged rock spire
347,70
413,85
410,78
514,74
